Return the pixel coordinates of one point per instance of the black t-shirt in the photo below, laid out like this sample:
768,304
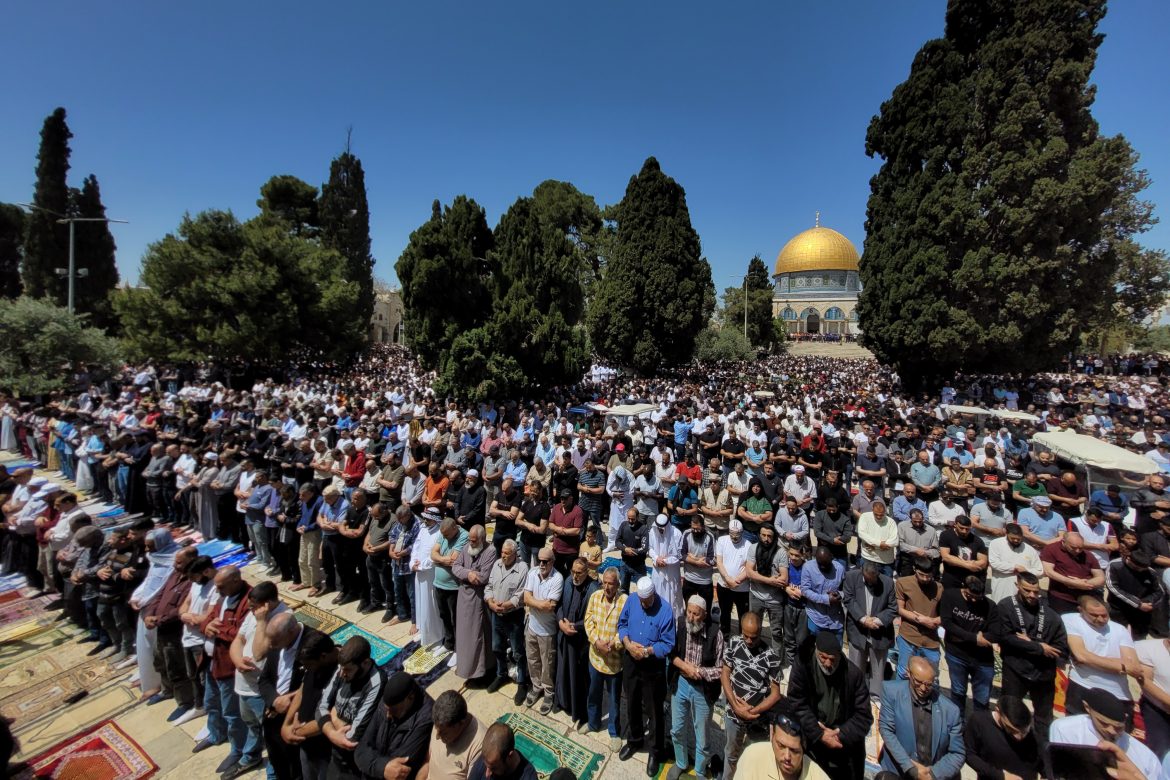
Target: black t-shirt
534,512
736,449
968,549
506,527
812,457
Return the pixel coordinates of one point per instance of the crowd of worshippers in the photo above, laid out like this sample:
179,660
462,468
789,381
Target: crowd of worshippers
859,538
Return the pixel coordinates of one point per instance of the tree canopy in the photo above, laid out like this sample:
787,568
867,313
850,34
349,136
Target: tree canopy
655,293
43,343
995,223
95,253
12,221
225,290
345,226
46,246
760,330
292,201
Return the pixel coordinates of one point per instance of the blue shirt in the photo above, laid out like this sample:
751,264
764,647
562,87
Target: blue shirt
309,512
407,535
516,472
686,501
900,508
816,587
1101,500
654,629
262,497
335,513
1045,527
928,474
443,578
682,430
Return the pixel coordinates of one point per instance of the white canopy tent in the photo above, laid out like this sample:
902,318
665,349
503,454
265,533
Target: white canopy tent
1090,452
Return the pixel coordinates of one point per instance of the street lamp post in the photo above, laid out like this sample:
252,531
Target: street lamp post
745,309
72,271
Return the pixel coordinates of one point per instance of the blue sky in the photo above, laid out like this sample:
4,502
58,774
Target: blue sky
758,109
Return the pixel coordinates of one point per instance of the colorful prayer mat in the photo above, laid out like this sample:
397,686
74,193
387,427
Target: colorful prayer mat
425,669
47,695
14,652
548,750
380,650
315,617
103,752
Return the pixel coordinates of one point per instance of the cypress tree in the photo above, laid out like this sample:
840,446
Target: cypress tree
655,293
761,333
344,214
444,273
46,246
994,223
11,240
94,251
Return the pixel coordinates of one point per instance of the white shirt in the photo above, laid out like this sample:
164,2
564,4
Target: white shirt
287,662
201,596
245,486
424,542
1002,560
734,558
185,468
1098,535
1106,642
940,516
541,623
1078,730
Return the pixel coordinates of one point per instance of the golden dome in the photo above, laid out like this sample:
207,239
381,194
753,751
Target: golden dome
817,249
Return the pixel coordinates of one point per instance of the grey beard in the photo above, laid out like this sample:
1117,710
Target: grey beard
694,628
474,551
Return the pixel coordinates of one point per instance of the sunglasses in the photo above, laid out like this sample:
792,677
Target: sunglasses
787,725
543,562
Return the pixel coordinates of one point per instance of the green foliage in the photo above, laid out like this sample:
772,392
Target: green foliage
444,276
761,332
292,201
561,205
12,221
473,368
1155,339
726,343
224,290
997,216
656,293
43,342
95,252
345,227
46,246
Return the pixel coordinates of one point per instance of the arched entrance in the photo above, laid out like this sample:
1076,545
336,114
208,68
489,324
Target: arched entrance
812,320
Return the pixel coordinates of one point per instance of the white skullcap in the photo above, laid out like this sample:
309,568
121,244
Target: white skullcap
735,525
661,520
645,587
698,601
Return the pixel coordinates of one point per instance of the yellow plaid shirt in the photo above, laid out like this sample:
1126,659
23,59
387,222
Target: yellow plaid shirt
601,624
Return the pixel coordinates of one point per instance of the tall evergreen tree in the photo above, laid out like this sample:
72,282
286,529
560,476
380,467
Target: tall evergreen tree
345,225
94,251
11,242
444,274
995,222
46,246
759,294
655,293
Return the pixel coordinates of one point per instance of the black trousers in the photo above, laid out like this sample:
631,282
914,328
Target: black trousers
351,571
381,577
706,591
287,555
330,558
447,599
644,684
727,599
1041,692
285,759
171,662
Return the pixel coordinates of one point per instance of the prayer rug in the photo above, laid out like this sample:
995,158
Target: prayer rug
103,752
315,617
24,608
11,595
548,750
14,652
24,630
421,664
380,650
47,696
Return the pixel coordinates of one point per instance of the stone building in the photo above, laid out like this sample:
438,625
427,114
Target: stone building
816,283
386,321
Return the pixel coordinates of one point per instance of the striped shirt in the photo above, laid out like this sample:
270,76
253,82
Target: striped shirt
601,621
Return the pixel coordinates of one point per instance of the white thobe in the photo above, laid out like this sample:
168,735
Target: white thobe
426,608
666,543
1003,560
622,498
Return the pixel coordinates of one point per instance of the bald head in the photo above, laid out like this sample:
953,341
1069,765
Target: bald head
283,630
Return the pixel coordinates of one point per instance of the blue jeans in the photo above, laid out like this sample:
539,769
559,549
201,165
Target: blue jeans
404,595
252,714
690,704
509,632
598,683
980,677
906,651
223,714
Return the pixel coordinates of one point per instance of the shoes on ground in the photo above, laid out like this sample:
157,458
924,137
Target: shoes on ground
157,698
177,713
189,715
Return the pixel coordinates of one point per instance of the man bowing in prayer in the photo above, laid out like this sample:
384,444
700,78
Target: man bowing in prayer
471,570
573,646
665,546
